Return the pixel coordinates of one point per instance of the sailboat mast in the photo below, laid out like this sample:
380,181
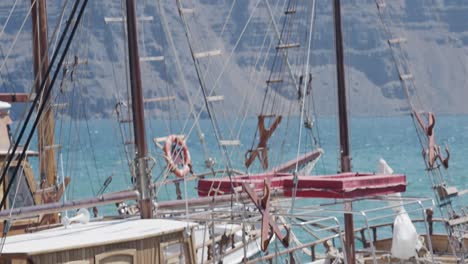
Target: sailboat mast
45,130
143,176
343,125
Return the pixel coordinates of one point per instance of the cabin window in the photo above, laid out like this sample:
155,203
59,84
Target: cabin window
24,196
125,256
174,252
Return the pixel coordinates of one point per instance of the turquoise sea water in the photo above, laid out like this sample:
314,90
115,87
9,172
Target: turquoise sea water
93,150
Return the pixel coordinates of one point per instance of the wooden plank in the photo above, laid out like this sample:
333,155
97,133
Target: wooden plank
55,146
215,98
229,142
125,120
458,221
123,19
14,97
304,159
405,77
164,139
187,10
159,99
396,40
59,105
274,81
288,46
205,54
153,58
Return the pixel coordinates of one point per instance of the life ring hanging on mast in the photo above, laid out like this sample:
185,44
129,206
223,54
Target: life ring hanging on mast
176,153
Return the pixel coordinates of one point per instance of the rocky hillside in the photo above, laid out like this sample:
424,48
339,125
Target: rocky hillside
436,49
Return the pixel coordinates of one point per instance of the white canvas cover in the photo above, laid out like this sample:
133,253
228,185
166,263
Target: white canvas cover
405,238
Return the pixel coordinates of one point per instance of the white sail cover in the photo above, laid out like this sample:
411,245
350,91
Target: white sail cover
4,106
405,238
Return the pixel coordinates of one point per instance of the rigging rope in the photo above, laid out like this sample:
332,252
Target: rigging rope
311,28
211,114
433,171
17,36
1,34
228,59
196,123
46,96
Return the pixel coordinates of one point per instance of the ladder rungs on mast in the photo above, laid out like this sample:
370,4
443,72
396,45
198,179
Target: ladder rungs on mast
187,10
291,11
125,120
215,98
159,99
229,142
445,192
458,221
154,58
164,139
274,81
56,146
464,192
123,19
205,54
288,46
405,77
59,105
381,5
73,63
397,40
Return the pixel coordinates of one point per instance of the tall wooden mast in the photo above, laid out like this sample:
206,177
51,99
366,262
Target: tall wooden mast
45,129
143,176
343,124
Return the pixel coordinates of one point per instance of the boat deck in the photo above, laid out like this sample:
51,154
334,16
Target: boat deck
89,235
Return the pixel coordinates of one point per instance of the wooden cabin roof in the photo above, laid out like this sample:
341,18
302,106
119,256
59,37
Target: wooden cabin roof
88,235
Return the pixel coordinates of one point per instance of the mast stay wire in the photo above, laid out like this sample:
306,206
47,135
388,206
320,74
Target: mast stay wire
309,43
211,62
256,80
7,223
18,127
202,85
2,53
192,110
156,92
224,65
208,71
243,102
10,49
77,84
211,114
46,95
268,88
432,172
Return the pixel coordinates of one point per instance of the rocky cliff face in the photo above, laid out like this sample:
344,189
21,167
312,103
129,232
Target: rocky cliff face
436,47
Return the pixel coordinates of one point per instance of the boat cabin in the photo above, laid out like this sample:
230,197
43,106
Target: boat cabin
27,188
117,241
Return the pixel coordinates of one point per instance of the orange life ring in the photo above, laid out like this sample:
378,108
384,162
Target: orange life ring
172,157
